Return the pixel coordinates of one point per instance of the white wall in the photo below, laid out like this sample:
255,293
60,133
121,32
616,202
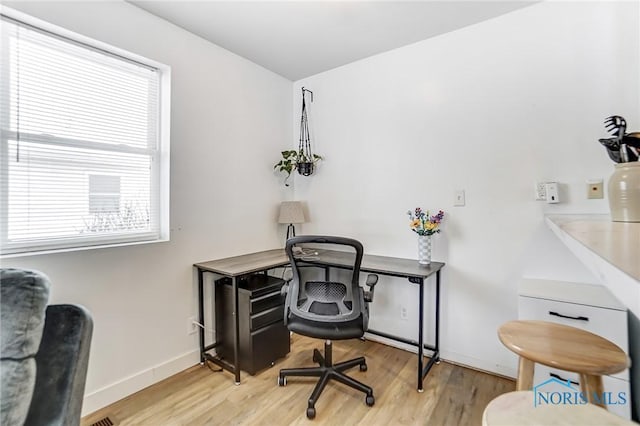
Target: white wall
491,109
229,119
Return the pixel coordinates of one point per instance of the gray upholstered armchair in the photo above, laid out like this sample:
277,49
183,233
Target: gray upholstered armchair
45,353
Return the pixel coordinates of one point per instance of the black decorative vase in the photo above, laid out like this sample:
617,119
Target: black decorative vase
305,169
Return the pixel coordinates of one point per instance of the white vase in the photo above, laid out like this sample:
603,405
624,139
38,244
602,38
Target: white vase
424,249
624,192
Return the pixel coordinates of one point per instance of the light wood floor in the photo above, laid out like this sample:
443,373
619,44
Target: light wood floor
453,395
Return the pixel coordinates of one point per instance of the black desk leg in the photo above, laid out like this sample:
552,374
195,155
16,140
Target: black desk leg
201,312
437,351
435,357
236,330
420,334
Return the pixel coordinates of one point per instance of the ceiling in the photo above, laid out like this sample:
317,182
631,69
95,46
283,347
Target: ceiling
297,39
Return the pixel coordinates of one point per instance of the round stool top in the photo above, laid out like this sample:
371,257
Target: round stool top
563,347
516,408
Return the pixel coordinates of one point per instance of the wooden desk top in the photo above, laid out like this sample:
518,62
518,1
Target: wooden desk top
563,347
516,408
246,263
260,261
383,265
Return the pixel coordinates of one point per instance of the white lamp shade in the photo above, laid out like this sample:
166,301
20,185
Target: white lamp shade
291,212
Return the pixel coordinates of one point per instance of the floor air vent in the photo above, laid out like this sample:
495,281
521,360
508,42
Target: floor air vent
103,422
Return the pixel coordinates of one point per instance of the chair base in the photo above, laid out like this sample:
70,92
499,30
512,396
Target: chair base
328,371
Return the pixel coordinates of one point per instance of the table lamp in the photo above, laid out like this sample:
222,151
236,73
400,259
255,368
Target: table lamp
291,212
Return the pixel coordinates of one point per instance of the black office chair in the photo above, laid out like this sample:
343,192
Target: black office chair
322,309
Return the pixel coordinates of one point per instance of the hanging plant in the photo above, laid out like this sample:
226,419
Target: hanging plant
303,159
292,160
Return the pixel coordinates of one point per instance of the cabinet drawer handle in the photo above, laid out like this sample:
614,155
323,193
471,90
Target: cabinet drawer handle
555,376
266,296
555,314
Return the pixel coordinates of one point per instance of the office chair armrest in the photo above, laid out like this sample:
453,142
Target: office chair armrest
372,280
284,291
287,276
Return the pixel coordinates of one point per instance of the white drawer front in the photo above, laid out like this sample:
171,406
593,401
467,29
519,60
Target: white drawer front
608,323
620,390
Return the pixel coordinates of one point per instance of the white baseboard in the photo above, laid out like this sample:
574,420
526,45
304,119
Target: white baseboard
479,364
109,394
453,357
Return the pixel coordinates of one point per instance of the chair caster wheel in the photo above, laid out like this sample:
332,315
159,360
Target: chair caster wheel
370,400
282,381
311,413
363,367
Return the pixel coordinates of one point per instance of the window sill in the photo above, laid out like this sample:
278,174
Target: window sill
84,248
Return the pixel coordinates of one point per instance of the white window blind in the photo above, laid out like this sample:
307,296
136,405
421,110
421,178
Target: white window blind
81,150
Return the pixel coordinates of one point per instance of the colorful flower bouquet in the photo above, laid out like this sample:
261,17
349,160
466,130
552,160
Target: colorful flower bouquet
423,224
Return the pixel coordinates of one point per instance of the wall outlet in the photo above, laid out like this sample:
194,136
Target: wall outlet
192,327
553,196
541,191
404,314
594,189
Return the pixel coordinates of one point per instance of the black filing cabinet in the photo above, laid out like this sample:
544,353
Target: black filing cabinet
263,335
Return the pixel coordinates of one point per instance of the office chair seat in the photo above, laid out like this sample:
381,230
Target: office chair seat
326,299
321,309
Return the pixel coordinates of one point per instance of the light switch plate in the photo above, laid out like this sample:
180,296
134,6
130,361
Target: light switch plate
459,199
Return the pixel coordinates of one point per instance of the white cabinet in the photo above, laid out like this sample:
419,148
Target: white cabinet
586,306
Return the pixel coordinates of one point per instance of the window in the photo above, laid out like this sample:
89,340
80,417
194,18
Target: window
104,194
84,141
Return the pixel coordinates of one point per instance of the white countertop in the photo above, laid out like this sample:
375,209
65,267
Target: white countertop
616,242
611,250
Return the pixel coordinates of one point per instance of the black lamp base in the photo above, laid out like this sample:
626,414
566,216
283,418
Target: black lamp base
291,231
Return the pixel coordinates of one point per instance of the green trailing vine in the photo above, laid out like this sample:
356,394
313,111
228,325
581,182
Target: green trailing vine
292,160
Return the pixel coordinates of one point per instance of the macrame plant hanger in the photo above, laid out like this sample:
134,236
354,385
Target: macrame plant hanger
305,155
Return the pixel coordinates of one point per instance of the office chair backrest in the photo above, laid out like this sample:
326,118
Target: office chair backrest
319,300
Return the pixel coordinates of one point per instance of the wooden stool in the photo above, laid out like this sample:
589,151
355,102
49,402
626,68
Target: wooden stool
565,348
516,408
